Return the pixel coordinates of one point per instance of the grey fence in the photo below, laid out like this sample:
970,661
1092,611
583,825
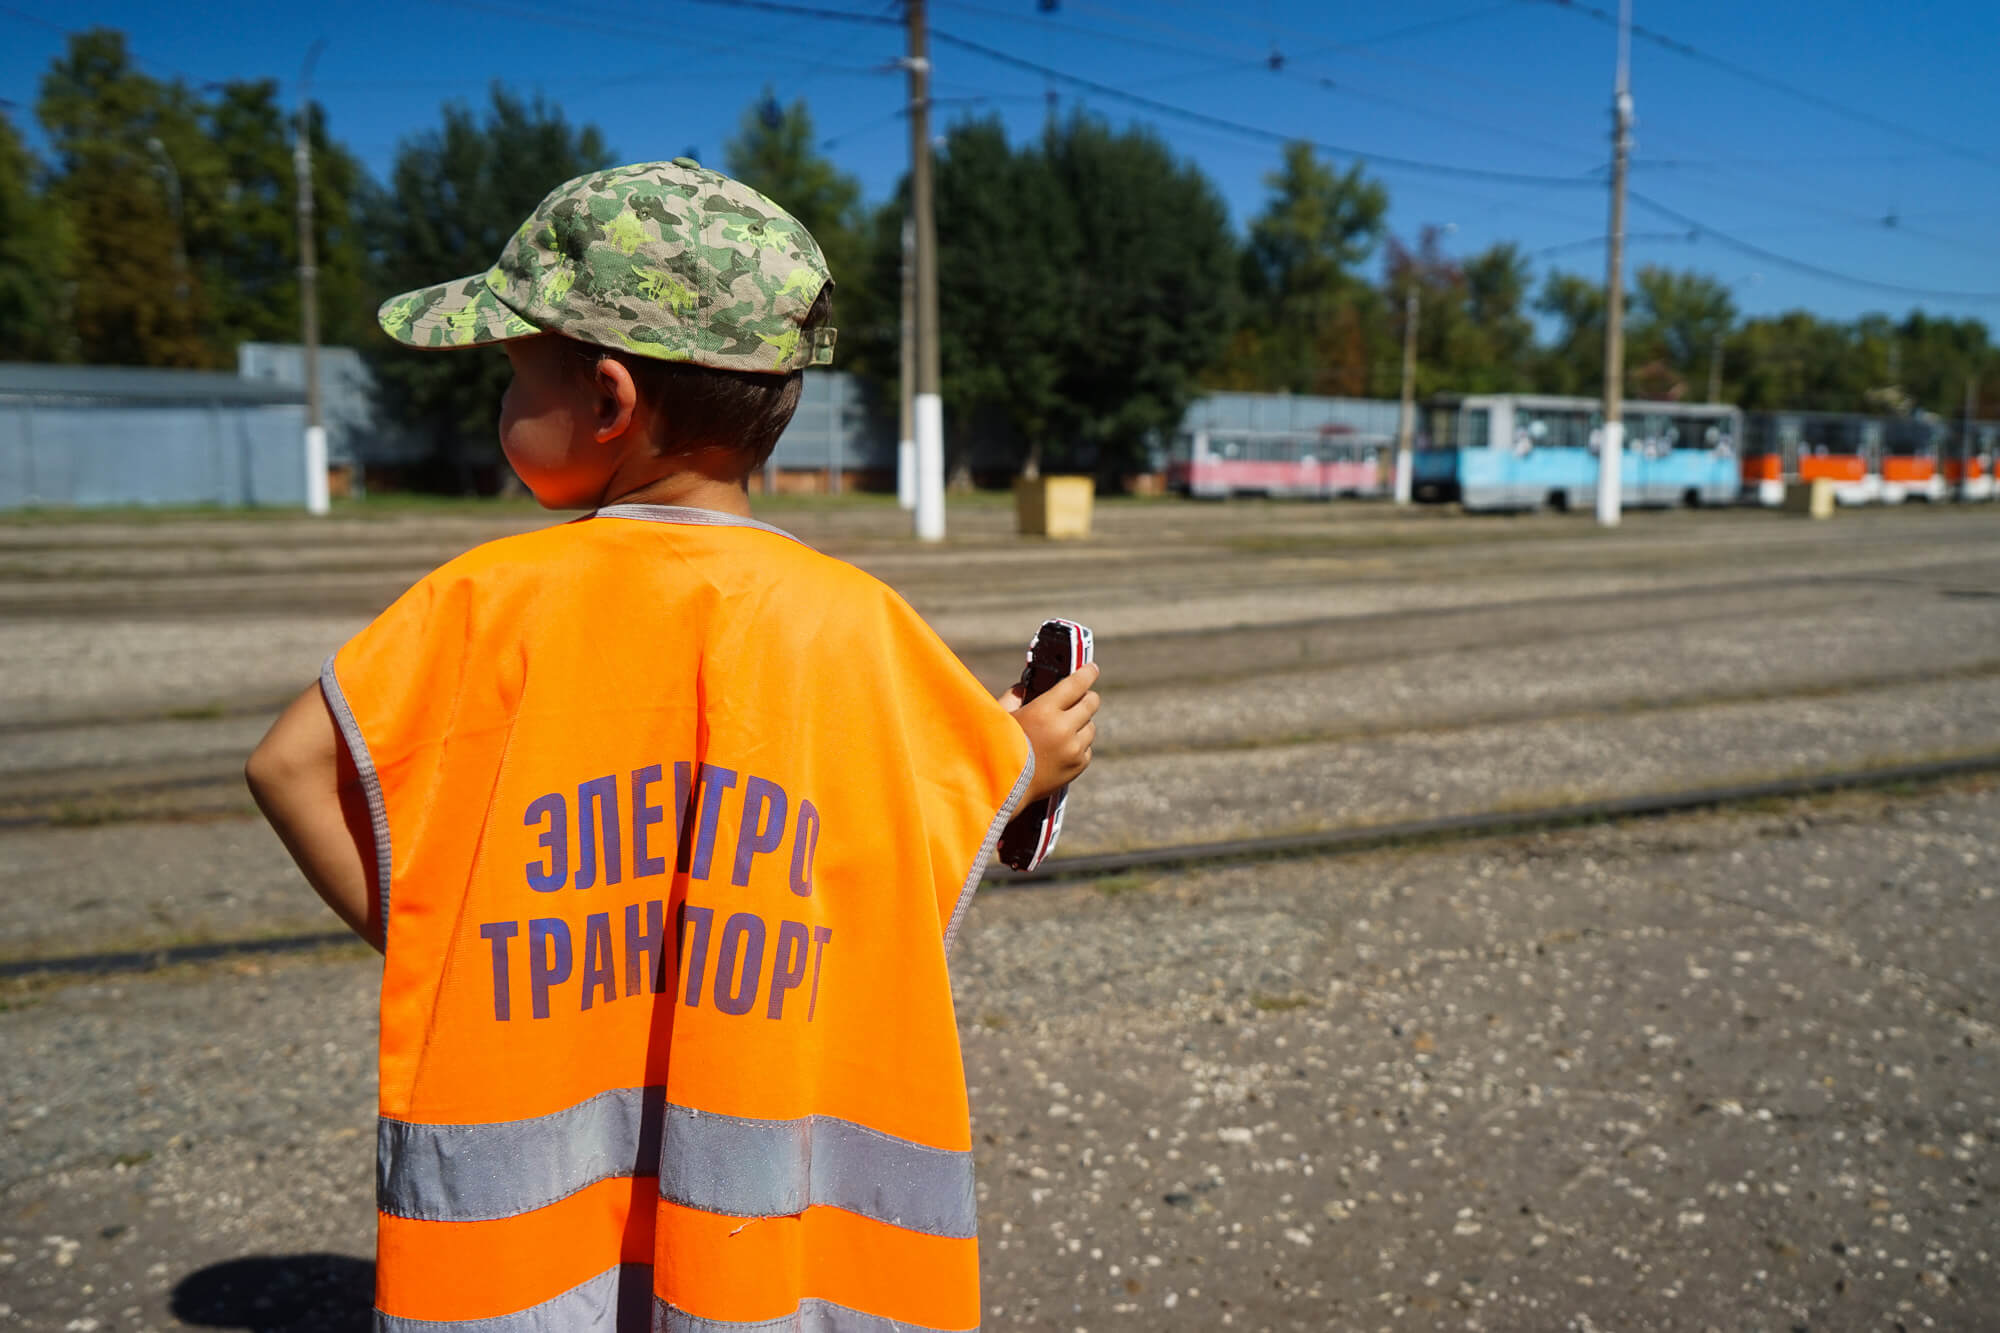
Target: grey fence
836,428
95,435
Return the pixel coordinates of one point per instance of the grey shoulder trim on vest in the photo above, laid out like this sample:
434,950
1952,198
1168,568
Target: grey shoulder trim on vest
978,871
713,518
371,782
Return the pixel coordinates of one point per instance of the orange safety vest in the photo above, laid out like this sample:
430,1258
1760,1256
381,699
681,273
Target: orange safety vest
675,819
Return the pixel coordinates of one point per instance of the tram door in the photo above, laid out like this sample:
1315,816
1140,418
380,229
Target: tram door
1791,436
1871,458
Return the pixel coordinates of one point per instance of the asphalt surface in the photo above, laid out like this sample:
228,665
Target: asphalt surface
1730,1071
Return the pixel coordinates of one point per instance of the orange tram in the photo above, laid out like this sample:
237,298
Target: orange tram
1868,459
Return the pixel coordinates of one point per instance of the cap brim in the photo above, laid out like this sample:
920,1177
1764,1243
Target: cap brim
460,313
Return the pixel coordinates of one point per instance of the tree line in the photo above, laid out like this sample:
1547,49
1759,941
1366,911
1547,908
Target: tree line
1090,279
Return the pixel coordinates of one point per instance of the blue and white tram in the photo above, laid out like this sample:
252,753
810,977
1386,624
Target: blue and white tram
1530,451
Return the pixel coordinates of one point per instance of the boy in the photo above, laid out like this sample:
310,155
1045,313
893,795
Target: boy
664,823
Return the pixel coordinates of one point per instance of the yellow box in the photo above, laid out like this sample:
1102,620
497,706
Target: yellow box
1814,498
1053,506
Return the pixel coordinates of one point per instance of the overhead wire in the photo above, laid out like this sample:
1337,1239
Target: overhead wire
1269,63
1803,266
1770,82
1388,161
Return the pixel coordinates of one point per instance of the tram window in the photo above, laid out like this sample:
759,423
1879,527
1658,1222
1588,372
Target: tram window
1553,429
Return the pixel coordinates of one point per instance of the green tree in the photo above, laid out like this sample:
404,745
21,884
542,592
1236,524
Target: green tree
1008,247
1150,295
1680,320
1084,284
35,321
128,148
456,195
1311,323
1797,360
246,246
1448,348
1496,290
1573,359
1937,356
776,151
1471,334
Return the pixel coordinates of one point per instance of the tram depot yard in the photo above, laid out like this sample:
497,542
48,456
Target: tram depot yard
1729,1068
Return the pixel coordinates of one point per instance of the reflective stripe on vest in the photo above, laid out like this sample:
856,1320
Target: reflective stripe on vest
717,1163
619,1300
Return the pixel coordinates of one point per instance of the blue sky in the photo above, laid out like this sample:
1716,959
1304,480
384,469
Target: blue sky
1850,136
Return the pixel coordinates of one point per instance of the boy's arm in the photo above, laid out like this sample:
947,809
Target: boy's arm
306,785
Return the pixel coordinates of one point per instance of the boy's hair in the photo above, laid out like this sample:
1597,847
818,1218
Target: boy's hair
700,407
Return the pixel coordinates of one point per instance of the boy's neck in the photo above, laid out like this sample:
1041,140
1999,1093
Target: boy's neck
690,488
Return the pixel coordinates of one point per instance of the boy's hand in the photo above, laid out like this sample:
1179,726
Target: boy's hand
1059,728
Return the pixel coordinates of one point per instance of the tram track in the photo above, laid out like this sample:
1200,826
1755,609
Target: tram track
209,784
1229,652
1339,841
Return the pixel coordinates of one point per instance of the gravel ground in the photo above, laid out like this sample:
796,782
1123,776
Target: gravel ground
1730,1072
1720,1073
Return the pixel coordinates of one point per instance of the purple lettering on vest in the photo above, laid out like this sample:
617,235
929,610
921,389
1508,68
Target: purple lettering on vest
602,793
805,841
821,934
788,965
645,815
548,959
742,934
759,796
695,955
497,933
715,781
684,795
648,944
597,958
550,877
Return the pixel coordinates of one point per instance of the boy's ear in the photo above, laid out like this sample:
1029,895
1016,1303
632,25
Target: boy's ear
616,398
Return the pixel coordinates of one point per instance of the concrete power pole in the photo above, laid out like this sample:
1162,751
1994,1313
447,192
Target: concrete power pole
906,434
928,408
315,462
1406,420
1965,445
1611,453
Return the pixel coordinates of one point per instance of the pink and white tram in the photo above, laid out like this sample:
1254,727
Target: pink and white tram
1213,463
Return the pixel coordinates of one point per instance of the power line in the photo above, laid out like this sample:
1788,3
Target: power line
1158,107
1273,61
1802,266
809,11
1770,83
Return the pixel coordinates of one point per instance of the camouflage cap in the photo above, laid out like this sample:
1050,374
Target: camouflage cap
665,259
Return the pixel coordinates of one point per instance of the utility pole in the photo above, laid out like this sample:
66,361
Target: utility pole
906,433
1611,453
1715,368
928,408
1965,445
316,489
1406,421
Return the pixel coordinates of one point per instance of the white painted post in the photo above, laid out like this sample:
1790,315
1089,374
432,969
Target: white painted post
316,492
930,467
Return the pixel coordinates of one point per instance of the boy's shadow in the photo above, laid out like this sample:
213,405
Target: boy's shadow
290,1293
